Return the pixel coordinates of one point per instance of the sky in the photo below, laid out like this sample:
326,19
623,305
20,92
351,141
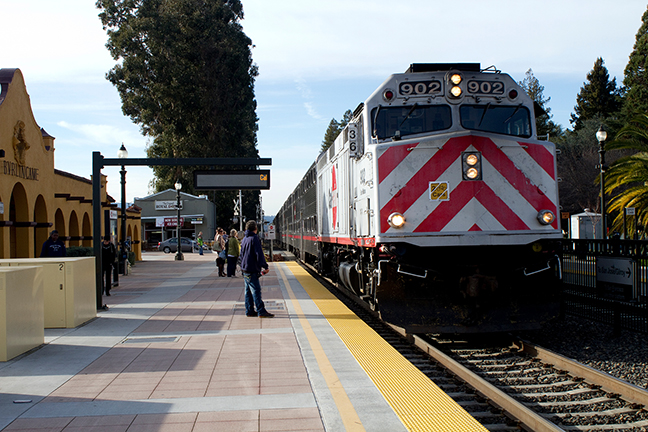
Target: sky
316,60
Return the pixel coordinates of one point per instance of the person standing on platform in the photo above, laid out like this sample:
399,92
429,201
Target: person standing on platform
233,250
200,243
219,246
253,266
108,253
53,246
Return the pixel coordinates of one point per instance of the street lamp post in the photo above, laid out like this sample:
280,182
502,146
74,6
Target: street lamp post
601,136
179,256
122,153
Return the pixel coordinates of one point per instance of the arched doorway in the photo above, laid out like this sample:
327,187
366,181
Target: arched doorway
86,230
137,244
41,231
19,212
74,229
59,224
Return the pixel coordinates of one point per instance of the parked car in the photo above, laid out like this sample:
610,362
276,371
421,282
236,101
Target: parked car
171,245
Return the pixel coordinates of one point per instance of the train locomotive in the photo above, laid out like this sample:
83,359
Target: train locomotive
436,204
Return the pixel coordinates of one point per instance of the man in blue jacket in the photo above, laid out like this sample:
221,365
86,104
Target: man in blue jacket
53,246
253,265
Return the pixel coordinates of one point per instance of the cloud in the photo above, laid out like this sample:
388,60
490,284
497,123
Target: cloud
104,135
310,109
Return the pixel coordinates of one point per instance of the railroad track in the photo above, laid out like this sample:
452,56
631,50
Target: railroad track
516,385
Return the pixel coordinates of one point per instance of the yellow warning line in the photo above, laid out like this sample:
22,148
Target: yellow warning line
348,414
419,403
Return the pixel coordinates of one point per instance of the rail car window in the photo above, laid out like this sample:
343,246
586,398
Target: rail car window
391,122
507,120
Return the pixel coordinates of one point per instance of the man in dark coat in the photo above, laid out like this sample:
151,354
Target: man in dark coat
53,246
253,265
108,253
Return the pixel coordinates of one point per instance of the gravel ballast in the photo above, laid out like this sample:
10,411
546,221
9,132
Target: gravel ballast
624,356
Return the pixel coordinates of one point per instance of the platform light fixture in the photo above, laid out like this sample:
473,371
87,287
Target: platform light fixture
601,136
179,256
122,153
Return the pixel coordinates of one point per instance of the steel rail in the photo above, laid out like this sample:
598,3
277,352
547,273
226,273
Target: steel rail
527,417
628,392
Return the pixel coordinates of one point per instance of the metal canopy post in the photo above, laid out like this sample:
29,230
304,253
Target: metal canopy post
98,162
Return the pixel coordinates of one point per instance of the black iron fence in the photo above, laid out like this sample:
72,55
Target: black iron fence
607,281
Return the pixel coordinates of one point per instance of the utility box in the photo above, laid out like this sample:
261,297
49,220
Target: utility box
586,226
21,310
69,289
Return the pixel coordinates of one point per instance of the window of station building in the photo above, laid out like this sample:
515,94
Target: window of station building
506,120
390,122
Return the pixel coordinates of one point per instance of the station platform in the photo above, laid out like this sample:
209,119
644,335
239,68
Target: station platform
176,352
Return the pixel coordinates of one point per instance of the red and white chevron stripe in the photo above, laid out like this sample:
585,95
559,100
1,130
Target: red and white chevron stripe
519,180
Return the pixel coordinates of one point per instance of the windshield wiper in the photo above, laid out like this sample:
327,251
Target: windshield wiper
484,114
375,118
408,114
517,108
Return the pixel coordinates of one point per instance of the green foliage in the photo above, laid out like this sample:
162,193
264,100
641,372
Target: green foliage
544,125
334,128
598,98
635,78
79,251
578,170
627,178
186,76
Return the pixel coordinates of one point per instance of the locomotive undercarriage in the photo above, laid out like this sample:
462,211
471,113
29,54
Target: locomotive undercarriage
451,289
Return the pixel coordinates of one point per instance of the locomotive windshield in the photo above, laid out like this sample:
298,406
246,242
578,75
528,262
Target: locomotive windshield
507,120
390,122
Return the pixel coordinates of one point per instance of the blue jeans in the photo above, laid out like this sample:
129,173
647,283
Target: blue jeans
253,294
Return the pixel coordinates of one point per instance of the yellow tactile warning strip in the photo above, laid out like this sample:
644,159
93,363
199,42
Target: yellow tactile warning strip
348,414
419,403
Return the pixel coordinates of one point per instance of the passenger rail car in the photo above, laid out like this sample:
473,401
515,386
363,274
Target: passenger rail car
436,204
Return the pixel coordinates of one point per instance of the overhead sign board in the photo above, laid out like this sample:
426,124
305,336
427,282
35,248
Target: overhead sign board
232,180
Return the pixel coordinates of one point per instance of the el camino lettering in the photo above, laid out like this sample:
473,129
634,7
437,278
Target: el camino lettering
20,171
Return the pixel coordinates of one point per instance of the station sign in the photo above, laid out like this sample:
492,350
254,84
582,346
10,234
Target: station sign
168,205
232,180
270,234
614,270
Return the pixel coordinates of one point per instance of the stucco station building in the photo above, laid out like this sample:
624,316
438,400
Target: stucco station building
36,198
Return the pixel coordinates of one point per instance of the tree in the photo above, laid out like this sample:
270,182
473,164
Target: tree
627,178
334,128
544,124
186,77
578,170
598,98
635,78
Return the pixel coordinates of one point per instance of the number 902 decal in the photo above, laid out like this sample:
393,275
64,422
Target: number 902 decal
419,88
486,87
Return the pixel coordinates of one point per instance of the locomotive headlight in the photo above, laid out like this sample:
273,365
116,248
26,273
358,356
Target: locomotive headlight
546,217
472,173
456,91
396,220
471,165
455,79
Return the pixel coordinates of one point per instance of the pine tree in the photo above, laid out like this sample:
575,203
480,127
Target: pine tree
544,125
185,75
598,98
635,78
334,128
